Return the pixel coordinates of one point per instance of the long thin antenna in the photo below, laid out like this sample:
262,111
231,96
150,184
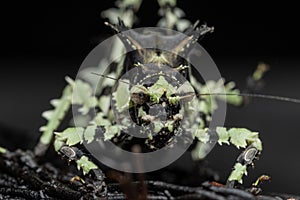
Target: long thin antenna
116,79
109,77
262,96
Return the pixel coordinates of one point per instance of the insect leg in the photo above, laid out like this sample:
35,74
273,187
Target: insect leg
72,153
244,160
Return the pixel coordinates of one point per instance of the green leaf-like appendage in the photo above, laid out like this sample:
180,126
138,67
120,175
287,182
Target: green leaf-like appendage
260,71
238,173
163,3
104,104
257,144
100,121
86,165
239,137
172,18
122,96
159,88
2,150
235,100
71,136
205,107
211,87
223,135
202,135
89,133
82,95
55,116
111,131
158,125
58,144
201,151
127,15
218,87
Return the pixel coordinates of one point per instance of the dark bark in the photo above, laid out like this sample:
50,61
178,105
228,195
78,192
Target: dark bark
21,177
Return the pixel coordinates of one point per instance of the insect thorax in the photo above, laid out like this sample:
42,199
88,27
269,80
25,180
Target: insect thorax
153,93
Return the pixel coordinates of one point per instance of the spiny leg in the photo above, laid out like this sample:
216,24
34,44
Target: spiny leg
75,154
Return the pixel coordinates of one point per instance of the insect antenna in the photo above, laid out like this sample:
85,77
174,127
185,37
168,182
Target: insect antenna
261,96
116,79
109,77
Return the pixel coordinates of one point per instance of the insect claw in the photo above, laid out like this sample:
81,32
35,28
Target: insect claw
118,28
261,179
77,179
112,26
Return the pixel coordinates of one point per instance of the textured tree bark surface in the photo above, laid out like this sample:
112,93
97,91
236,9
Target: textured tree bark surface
24,176
21,177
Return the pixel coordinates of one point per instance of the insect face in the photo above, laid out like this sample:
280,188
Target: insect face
155,98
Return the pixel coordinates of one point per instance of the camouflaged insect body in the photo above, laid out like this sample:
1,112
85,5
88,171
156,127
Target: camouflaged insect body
154,96
151,97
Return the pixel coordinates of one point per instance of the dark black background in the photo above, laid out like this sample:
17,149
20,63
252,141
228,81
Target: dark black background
52,29
43,42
